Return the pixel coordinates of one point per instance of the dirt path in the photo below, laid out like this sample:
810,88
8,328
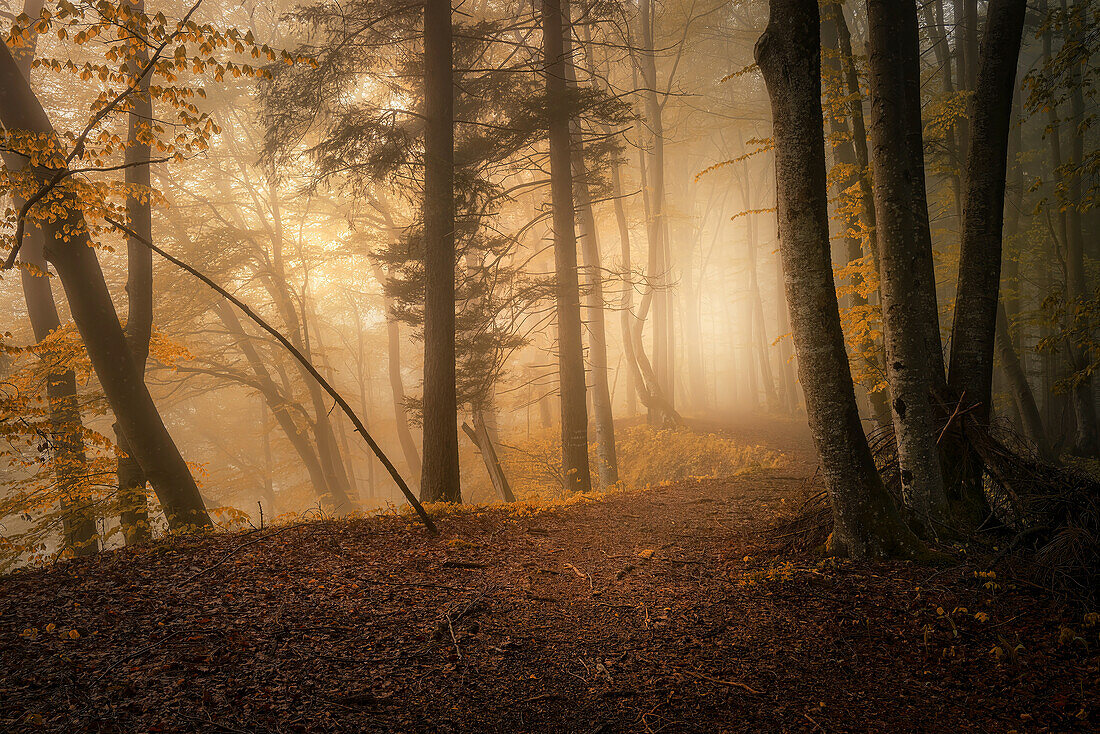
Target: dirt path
646,612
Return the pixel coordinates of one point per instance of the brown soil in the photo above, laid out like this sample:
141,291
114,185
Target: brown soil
645,612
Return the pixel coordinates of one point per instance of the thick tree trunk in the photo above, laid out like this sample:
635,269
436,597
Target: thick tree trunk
901,252
866,523
574,412
132,499
68,247
439,481
974,329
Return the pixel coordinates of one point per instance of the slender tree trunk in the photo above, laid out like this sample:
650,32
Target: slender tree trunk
1021,391
269,480
866,523
574,412
1087,439
280,407
397,384
439,481
850,152
659,264
973,332
900,252
925,298
607,463
68,247
132,499
479,434
67,454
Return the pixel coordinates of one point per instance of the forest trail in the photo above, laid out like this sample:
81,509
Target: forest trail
641,612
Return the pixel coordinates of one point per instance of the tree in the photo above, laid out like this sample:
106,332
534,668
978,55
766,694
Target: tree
976,304
439,480
67,451
132,500
865,521
574,411
903,256
68,247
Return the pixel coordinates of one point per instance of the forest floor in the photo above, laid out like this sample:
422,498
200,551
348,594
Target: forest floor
662,610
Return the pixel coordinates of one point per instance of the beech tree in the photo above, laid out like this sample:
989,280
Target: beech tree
68,248
866,522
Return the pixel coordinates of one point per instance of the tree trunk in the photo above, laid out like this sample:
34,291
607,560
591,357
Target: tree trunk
68,247
481,438
132,499
574,412
925,299
866,523
908,367
975,326
439,481
67,455
397,384
607,464
1021,391
659,264
280,407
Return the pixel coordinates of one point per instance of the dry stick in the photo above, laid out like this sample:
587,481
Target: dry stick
359,427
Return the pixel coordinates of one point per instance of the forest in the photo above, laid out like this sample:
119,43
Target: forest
554,366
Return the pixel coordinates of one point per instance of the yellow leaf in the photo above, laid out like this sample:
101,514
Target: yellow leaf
647,553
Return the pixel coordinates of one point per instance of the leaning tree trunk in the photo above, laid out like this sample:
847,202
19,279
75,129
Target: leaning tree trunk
439,480
279,404
866,523
133,502
68,246
974,329
973,335
574,411
901,252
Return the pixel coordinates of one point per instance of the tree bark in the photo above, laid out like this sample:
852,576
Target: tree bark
68,246
132,500
866,523
901,251
659,262
439,480
574,411
67,456
607,464
974,330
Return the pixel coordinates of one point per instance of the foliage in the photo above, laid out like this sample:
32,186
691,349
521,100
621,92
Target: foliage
648,457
